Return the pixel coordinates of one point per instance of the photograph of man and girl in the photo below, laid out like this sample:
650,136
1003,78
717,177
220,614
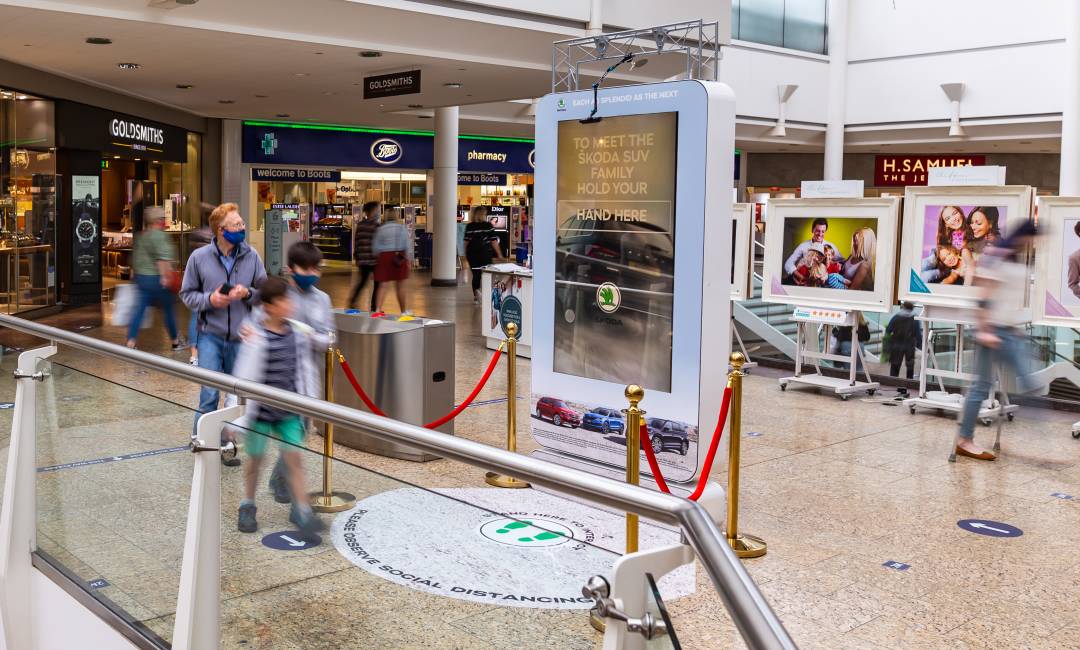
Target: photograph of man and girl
954,236
814,260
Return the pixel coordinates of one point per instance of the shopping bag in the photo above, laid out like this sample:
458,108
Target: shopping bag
125,297
173,280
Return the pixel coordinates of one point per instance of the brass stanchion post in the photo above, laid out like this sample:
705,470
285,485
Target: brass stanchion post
743,545
327,500
634,416
635,394
494,478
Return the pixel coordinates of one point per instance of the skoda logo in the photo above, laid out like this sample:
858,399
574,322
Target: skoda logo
386,151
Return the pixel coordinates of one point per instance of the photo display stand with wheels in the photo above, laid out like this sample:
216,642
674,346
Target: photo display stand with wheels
808,320
942,400
742,239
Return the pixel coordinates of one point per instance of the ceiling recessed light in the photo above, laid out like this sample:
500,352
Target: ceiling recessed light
301,74
468,95
416,105
28,45
282,115
129,65
98,40
453,84
22,97
319,53
226,101
138,159
184,86
461,69
370,54
262,96
1025,142
424,117
186,2
156,162
116,157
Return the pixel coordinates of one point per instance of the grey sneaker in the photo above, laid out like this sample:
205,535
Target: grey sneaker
307,523
280,490
230,462
246,522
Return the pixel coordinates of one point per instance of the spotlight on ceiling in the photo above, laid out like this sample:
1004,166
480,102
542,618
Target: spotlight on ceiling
660,38
370,54
129,66
601,45
98,40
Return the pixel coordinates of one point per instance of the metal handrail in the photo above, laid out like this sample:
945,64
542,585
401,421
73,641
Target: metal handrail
757,623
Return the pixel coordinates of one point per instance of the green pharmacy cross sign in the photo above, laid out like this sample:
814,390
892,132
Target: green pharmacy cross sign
269,144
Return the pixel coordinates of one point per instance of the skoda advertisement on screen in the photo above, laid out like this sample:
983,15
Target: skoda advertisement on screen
620,270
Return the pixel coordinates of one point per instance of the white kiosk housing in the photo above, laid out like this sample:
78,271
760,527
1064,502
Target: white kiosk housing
632,271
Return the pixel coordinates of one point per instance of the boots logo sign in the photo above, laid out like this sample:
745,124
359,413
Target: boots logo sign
386,151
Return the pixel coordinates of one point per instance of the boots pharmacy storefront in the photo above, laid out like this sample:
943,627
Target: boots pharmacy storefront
314,179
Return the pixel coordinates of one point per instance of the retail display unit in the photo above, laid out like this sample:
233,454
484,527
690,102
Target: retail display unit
622,244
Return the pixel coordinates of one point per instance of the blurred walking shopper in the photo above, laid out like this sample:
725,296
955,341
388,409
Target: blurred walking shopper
1001,278
481,246
277,353
394,253
196,239
154,264
904,334
842,338
221,283
313,309
363,254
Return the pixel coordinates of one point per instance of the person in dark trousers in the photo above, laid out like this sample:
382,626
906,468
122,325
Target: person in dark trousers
842,336
220,284
481,246
363,254
904,333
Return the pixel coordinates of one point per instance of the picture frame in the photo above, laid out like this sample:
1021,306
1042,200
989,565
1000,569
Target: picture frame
787,240
1052,301
937,264
742,226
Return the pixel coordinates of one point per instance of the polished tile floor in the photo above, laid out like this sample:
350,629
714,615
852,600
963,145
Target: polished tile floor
838,489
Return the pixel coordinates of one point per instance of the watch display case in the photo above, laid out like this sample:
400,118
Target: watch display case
28,202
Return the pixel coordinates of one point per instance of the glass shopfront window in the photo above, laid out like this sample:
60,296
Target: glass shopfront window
28,202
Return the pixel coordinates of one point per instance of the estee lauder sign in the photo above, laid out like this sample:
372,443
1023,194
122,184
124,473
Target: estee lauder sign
912,170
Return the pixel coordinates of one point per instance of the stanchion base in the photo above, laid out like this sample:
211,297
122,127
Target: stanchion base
336,502
746,546
596,622
498,480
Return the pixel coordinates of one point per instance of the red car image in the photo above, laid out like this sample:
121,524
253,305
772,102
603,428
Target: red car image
556,410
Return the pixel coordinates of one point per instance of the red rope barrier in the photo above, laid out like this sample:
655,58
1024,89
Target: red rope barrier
717,433
431,425
468,400
654,467
356,386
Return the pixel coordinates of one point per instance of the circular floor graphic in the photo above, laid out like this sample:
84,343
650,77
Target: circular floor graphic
519,548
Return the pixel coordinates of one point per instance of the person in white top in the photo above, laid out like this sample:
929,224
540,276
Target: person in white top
1002,278
817,236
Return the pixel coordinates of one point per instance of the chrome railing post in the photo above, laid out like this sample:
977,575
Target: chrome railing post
198,604
18,515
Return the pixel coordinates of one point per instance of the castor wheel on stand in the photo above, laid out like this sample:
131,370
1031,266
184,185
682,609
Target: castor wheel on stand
783,387
952,455
912,409
1076,434
871,392
844,397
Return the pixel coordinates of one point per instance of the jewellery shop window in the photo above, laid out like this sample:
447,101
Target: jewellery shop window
27,202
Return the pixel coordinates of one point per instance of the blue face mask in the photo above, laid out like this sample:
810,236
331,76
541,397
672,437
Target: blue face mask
235,238
305,282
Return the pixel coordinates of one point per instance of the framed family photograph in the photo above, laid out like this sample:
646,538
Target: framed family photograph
742,226
1056,300
947,230
836,253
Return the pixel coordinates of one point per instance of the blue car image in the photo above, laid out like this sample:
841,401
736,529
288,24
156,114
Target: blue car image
603,419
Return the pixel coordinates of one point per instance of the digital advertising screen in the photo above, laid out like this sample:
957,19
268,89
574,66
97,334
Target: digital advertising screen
615,249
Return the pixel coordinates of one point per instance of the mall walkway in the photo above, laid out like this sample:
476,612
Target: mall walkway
839,490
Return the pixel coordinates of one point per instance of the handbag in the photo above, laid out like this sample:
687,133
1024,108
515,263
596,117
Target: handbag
123,304
172,280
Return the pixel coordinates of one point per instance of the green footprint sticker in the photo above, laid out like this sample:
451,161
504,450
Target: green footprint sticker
518,525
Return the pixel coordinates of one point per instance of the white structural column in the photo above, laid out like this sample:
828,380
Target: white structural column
1069,180
443,219
838,60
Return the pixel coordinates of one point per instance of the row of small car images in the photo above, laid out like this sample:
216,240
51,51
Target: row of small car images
665,435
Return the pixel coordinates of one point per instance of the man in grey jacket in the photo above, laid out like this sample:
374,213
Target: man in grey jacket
220,286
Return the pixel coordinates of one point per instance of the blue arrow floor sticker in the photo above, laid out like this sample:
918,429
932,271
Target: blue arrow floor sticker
899,566
989,528
290,540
